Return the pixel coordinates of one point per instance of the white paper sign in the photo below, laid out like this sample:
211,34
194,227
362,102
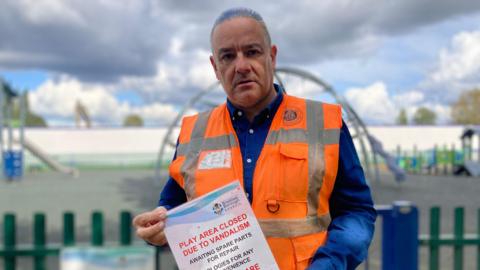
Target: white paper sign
218,231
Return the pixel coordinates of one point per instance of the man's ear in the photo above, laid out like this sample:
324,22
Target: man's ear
273,55
214,65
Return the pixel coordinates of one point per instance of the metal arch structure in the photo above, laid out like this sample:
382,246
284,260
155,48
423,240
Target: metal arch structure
360,134
167,139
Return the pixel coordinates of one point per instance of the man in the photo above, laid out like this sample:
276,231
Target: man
296,157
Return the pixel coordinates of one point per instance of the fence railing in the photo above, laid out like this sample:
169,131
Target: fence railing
400,238
40,249
458,240
401,241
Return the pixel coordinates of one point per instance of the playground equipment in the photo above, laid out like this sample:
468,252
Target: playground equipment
50,162
81,114
368,147
434,161
443,159
12,158
470,166
390,161
13,151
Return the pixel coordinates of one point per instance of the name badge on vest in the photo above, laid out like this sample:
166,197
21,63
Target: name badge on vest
215,159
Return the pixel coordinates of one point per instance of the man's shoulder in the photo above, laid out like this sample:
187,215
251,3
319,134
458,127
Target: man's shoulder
300,99
193,116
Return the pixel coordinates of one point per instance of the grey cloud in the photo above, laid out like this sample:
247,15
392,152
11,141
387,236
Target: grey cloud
104,44
344,29
133,36
193,20
307,31
396,17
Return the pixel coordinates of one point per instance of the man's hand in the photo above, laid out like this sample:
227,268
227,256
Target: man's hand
149,226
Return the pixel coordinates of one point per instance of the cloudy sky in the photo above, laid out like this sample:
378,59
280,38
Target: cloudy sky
149,57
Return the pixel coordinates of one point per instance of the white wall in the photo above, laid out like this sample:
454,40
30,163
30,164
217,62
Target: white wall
147,140
97,140
424,137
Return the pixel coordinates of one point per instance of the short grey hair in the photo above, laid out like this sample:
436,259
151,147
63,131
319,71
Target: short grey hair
240,12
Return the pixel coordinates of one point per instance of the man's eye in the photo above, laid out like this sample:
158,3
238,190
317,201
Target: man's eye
252,52
227,56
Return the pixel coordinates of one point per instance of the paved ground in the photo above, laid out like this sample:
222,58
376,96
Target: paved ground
425,191
136,191
52,193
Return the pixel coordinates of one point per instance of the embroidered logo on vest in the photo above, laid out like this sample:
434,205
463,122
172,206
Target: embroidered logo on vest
215,159
291,116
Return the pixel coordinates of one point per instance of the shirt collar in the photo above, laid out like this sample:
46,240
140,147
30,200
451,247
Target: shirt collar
268,112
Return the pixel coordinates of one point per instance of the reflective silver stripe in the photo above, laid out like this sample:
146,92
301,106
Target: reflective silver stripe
316,161
189,165
284,228
330,136
213,143
325,136
286,136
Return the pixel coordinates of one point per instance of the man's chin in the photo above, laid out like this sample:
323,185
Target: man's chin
245,93
245,98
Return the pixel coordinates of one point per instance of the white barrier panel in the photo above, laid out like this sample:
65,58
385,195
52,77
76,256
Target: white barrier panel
107,258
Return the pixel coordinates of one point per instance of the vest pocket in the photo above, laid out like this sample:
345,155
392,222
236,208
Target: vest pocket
294,172
306,246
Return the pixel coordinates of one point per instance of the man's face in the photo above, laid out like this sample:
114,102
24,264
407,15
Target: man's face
244,63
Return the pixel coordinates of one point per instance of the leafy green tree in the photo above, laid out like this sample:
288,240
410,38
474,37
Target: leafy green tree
133,120
402,118
34,120
466,110
31,119
424,116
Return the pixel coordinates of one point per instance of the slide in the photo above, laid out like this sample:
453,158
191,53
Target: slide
377,146
53,164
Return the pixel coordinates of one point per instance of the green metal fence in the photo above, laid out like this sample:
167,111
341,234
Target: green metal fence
458,240
39,249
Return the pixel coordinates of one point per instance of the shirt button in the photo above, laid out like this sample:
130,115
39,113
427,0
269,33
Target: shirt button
239,113
268,116
249,160
248,195
250,131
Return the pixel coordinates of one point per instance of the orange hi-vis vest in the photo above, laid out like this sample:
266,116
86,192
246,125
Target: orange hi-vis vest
294,174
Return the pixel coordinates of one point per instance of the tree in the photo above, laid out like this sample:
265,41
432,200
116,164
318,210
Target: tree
133,120
31,119
466,110
424,116
402,118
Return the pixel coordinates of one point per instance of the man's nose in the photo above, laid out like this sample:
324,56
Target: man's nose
242,64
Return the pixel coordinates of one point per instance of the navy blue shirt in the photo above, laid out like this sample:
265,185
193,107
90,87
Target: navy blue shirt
251,136
351,205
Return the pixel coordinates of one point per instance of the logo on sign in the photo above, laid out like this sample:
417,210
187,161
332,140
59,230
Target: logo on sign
217,209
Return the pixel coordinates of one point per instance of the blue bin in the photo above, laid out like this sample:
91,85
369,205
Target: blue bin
12,164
